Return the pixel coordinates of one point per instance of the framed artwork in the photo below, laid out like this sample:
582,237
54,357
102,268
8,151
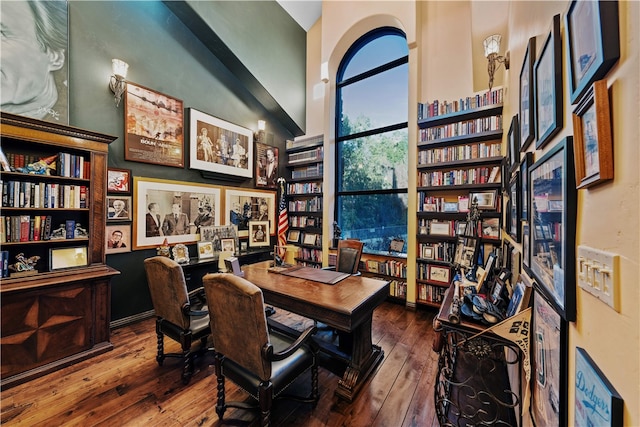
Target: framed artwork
293,236
427,252
553,232
593,43
513,139
266,166
466,252
216,234
228,245
597,401
526,162
310,239
119,208
180,253
527,133
526,249
259,234
485,199
592,132
548,87
154,127
439,274
119,180
167,209
72,257
521,295
205,250
218,146
514,208
118,238
440,228
491,228
548,365
242,206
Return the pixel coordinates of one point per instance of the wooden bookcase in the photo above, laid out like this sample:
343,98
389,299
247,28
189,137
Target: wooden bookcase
304,197
459,152
59,313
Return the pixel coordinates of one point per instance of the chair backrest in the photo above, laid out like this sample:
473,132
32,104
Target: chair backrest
238,322
168,289
349,253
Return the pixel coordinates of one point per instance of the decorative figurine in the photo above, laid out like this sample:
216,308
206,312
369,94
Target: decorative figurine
41,167
163,250
59,233
24,266
337,233
80,232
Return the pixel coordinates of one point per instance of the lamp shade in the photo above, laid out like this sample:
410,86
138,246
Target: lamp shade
119,67
492,44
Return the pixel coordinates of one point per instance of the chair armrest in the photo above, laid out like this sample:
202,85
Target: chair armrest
267,350
331,268
199,294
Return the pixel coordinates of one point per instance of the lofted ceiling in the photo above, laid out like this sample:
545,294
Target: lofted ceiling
305,12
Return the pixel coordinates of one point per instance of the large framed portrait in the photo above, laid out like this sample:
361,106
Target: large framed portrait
218,146
553,227
592,130
548,87
154,127
118,238
593,43
43,92
242,206
119,208
266,166
171,209
119,180
527,133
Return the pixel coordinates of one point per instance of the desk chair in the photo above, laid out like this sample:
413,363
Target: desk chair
175,316
348,256
261,362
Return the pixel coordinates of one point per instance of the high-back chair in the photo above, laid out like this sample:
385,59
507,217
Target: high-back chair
349,254
175,315
262,362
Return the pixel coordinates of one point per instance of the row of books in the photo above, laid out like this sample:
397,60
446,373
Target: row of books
467,127
310,254
428,203
311,171
441,251
63,164
429,293
390,267
305,221
304,156
308,205
398,289
438,108
25,228
460,152
480,175
25,194
304,188
309,141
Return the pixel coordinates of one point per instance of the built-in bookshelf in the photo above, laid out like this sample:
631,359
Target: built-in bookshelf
304,198
459,156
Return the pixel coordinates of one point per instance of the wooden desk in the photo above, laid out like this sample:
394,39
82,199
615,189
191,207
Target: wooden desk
346,306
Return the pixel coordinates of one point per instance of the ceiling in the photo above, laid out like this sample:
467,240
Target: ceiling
305,12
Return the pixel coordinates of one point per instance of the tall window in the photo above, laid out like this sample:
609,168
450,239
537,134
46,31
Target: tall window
372,140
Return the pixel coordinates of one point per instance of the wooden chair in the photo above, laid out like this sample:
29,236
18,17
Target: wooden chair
349,254
175,315
262,362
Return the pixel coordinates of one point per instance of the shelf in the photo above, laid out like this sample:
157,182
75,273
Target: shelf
306,179
456,215
51,178
438,285
433,261
48,242
485,186
308,261
463,163
308,213
299,195
459,116
303,163
461,139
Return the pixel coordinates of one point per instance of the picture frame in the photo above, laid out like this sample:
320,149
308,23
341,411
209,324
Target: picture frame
153,127
228,245
514,208
552,261
117,238
119,180
293,236
219,147
450,207
593,43
439,274
526,248
520,298
548,364
427,252
513,140
466,253
526,112
461,227
310,239
525,163
490,228
68,257
205,250
180,253
485,199
163,194
267,160
217,233
548,98
259,234
119,208
596,400
242,206
440,228
593,141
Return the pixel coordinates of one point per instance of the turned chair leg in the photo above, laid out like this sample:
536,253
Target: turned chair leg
265,395
220,405
160,345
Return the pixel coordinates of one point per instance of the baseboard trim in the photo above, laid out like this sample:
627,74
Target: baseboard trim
131,319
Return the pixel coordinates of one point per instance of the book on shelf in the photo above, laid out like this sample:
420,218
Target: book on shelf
481,99
70,227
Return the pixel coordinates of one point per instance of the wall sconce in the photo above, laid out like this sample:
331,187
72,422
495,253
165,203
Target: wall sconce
324,72
260,136
118,82
262,125
491,49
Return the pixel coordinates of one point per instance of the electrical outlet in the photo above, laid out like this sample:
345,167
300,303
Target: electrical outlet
598,274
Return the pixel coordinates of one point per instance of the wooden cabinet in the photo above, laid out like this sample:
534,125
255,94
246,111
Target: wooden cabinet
59,312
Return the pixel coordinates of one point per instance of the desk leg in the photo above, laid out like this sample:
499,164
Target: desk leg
365,356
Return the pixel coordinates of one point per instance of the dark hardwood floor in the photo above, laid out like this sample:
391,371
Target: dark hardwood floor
127,387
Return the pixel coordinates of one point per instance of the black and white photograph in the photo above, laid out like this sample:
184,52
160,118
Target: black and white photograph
267,166
243,206
119,208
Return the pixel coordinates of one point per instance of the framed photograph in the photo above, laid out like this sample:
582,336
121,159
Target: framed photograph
526,250
217,233
593,43
597,401
521,295
548,87
168,209
439,274
513,210
450,207
228,245
513,139
526,162
180,253
259,234
440,228
68,257
548,365
593,144
310,239
119,208
118,238
293,236
266,166
427,252
205,250
218,146
526,113
461,228
119,180
154,127
485,199
242,206
553,253
466,252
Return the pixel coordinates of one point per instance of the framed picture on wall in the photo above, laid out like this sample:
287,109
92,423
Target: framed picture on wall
242,206
119,208
527,133
154,127
266,166
118,238
119,180
526,162
515,203
513,139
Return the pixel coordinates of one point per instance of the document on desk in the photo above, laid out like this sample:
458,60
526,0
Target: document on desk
328,277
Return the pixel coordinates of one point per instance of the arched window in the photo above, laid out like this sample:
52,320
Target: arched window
372,139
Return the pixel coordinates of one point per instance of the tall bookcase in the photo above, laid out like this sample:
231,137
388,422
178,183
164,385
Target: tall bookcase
459,153
304,196
57,313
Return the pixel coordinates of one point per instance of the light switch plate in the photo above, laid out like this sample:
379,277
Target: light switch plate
598,273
